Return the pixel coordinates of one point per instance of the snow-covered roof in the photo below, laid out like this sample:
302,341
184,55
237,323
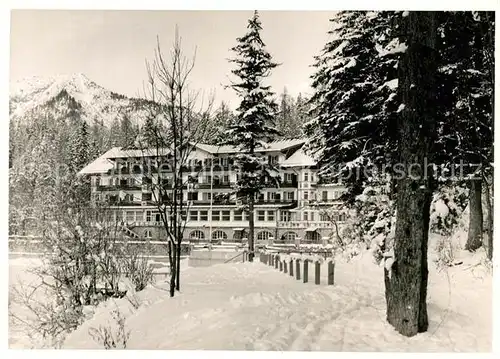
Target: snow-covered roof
100,165
105,162
118,152
299,158
274,146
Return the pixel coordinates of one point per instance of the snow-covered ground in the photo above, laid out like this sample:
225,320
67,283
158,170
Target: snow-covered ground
251,306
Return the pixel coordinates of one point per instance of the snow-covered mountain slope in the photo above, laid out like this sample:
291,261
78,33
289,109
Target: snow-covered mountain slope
95,103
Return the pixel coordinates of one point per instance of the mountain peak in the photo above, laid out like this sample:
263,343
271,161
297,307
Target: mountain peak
96,102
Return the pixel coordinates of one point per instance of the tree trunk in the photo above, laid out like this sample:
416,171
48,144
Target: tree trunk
173,267
489,204
475,234
251,225
406,281
178,271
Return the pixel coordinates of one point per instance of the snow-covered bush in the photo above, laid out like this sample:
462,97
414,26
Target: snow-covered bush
112,337
137,269
84,267
371,223
447,206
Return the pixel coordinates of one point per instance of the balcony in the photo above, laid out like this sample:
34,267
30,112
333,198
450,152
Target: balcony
207,185
289,184
123,203
121,186
275,201
324,202
307,224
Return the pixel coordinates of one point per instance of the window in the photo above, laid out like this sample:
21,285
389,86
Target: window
305,216
306,177
148,216
147,234
192,196
261,215
288,177
312,177
193,215
289,196
270,215
284,216
306,195
139,216
238,215
207,196
183,215
219,235
226,215
226,179
323,217
130,216
264,236
245,216
311,216
196,235
215,215
203,215
289,236
324,195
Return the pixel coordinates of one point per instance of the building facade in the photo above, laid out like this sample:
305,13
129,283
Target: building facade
300,209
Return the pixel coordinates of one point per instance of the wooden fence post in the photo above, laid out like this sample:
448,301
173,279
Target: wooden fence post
317,273
276,260
281,265
285,269
306,271
331,269
297,269
291,267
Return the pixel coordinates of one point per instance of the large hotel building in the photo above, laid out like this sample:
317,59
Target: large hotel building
302,208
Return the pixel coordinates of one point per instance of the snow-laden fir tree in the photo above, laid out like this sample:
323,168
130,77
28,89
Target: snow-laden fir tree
466,108
355,102
80,150
254,124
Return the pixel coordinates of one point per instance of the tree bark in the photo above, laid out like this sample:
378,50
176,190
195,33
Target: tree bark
173,267
489,204
475,234
251,225
406,281
178,272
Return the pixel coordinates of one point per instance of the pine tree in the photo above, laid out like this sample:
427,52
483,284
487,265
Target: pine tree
113,139
219,124
355,102
149,135
466,111
128,132
254,119
80,151
286,122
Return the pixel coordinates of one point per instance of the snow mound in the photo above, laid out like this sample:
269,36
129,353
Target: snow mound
251,306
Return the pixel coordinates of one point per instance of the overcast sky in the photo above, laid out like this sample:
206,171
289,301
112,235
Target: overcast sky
110,47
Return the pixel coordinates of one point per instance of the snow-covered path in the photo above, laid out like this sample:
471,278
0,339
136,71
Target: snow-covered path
247,306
